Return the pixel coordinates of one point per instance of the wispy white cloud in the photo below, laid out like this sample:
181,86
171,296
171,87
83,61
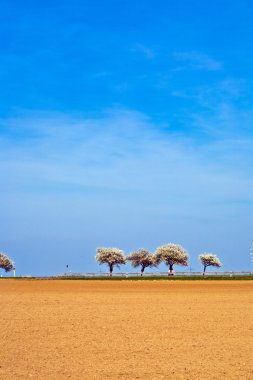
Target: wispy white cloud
211,95
227,122
144,50
123,150
196,61
218,113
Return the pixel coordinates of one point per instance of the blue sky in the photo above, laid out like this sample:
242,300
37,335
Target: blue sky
127,124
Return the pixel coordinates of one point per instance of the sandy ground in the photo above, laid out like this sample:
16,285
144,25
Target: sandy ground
126,330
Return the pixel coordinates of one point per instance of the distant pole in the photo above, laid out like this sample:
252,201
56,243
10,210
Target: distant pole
68,269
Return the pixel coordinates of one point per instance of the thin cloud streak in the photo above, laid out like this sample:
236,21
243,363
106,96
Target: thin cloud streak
144,50
122,150
196,61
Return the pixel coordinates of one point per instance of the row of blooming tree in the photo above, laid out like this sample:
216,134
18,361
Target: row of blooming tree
6,263
170,254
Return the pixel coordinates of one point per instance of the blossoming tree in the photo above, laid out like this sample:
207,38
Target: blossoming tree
110,256
209,259
171,254
6,263
141,258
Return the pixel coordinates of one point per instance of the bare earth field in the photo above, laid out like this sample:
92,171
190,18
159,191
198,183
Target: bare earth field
126,329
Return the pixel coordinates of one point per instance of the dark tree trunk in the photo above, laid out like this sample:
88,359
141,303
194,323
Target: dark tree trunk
204,270
111,269
142,270
171,272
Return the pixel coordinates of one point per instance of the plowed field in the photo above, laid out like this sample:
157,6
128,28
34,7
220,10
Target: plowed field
126,329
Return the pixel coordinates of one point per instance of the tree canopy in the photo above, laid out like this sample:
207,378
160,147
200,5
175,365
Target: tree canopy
6,263
142,258
209,259
171,254
110,256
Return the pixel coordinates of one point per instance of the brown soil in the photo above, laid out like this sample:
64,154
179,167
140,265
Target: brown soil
126,329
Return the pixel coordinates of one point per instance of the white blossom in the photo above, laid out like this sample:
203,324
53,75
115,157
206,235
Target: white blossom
110,256
6,263
209,259
142,258
171,254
